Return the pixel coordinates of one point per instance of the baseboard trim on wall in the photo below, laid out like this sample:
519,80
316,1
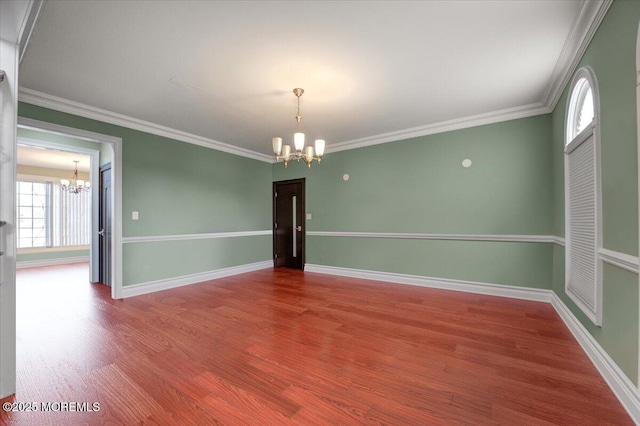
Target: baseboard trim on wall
168,283
51,262
202,236
534,294
455,237
626,392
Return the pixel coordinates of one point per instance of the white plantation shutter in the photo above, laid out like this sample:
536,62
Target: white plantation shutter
75,218
583,283
582,250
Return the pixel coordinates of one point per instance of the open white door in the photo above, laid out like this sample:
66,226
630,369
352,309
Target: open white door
17,21
8,126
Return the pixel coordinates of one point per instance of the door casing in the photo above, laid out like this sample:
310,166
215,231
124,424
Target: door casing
104,262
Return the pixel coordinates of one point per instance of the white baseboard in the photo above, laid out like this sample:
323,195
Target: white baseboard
622,387
535,294
626,392
51,262
165,284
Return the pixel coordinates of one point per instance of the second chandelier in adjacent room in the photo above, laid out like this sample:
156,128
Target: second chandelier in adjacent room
75,185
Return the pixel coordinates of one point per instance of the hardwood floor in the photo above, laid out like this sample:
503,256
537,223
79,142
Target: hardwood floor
287,347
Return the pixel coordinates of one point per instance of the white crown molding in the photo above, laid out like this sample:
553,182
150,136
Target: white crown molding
622,387
443,126
168,283
591,14
584,28
203,236
626,392
51,262
621,260
71,107
524,293
457,237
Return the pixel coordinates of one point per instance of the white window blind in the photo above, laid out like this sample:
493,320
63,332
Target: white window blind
583,282
582,251
75,218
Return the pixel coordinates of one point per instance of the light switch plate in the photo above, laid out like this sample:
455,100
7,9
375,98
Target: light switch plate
308,216
134,215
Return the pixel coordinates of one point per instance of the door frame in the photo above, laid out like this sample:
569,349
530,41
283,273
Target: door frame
303,243
93,178
116,185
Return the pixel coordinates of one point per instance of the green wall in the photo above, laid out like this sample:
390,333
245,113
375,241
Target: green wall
198,256
179,188
611,54
420,186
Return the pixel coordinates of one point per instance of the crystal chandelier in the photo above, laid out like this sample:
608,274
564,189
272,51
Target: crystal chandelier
308,154
75,186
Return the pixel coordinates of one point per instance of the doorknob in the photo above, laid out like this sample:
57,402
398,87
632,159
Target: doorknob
299,228
101,232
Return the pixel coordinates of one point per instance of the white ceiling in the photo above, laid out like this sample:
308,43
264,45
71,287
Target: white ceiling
53,159
224,71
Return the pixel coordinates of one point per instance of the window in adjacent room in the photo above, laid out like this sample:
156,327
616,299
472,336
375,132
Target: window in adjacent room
34,214
583,274
51,217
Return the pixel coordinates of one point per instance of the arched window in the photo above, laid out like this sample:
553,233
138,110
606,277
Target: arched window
583,274
581,108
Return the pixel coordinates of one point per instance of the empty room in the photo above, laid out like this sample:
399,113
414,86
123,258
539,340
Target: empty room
319,212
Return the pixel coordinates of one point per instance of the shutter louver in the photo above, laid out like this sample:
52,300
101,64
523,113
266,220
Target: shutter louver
75,218
582,224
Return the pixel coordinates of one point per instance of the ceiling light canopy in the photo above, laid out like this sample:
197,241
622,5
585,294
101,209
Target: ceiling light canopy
75,186
308,154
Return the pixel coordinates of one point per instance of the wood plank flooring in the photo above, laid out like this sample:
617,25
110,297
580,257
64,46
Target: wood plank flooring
278,347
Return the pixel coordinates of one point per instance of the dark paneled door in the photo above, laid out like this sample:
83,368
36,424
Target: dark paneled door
288,223
104,219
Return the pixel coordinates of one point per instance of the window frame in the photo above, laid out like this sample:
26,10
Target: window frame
48,214
53,215
571,143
